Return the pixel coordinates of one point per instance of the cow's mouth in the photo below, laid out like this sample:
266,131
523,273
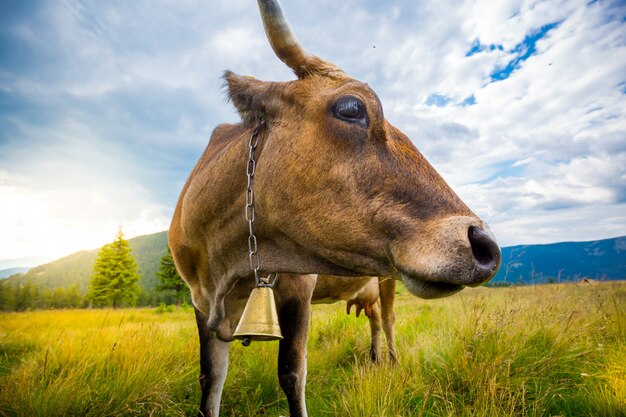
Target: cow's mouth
429,289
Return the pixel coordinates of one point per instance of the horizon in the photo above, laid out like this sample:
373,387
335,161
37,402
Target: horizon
519,106
14,262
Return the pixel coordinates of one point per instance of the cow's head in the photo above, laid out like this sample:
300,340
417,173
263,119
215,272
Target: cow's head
336,178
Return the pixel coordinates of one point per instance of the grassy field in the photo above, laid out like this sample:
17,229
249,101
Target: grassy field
556,350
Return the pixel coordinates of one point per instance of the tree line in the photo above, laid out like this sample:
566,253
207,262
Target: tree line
114,283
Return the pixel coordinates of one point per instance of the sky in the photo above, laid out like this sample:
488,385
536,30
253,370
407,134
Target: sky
105,107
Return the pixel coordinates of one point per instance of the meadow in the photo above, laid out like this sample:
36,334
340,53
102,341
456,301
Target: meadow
551,350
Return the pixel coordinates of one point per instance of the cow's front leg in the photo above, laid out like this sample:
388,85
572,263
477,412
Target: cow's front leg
213,367
294,313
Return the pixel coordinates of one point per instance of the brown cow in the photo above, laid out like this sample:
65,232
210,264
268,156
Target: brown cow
373,295
339,191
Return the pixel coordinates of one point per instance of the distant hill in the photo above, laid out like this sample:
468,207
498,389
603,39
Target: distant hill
525,264
566,261
11,271
77,268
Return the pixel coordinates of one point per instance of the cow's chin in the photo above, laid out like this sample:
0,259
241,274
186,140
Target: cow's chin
429,290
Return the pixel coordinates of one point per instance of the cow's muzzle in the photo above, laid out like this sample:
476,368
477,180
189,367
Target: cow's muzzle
450,254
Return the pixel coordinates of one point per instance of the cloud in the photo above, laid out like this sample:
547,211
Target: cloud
68,190
105,107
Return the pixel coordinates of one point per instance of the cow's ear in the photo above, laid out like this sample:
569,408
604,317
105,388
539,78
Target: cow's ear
248,95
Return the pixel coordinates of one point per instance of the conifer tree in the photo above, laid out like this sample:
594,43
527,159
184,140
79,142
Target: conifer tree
169,277
114,281
6,296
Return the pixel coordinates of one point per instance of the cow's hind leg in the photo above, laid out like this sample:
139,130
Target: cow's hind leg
375,327
294,313
387,297
213,368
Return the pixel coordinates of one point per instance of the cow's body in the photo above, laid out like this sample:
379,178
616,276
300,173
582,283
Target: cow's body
375,296
338,191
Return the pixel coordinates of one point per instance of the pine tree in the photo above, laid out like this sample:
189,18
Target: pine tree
74,298
114,279
8,296
169,277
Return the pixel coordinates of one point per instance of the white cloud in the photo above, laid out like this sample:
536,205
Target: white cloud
75,192
106,107
32,226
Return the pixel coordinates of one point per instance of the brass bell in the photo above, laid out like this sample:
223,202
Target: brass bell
259,320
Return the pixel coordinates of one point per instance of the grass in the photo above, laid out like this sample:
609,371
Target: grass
555,350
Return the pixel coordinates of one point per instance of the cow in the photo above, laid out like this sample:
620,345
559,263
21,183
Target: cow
373,295
338,190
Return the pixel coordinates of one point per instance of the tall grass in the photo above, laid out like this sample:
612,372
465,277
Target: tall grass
553,350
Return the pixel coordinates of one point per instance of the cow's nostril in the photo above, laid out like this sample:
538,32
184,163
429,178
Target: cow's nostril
486,253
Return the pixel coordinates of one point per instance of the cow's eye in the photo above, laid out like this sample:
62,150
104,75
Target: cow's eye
350,109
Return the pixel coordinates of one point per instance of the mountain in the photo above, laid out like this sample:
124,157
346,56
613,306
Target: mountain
77,268
525,264
566,261
11,271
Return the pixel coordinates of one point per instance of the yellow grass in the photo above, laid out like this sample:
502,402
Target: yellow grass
553,350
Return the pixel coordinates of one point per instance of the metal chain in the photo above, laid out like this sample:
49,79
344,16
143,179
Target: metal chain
253,254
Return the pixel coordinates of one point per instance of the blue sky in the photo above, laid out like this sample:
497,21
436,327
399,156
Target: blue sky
106,106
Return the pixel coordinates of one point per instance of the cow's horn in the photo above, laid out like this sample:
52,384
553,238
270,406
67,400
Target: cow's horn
282,39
